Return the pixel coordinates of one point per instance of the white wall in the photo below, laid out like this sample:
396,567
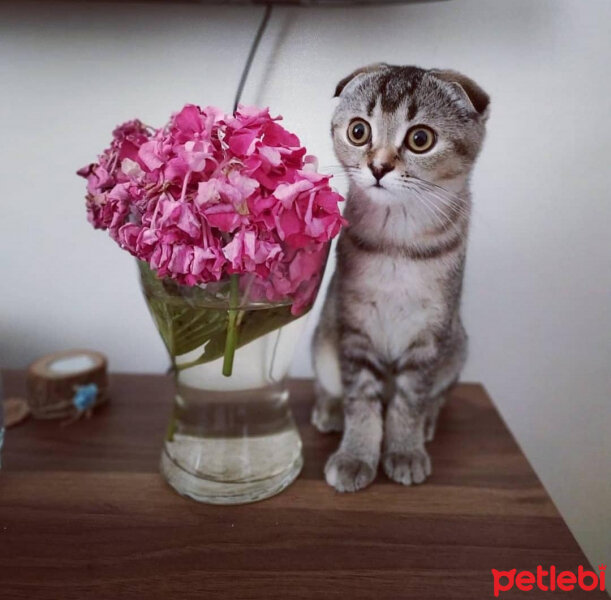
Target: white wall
538,284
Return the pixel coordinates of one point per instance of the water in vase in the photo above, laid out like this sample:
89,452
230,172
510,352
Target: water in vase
233,439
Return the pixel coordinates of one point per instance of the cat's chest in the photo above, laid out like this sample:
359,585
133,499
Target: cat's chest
402,299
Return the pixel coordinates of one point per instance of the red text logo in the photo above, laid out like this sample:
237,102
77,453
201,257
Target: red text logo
548,580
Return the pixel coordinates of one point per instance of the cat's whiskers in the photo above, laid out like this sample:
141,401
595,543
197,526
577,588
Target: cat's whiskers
444,197
440,216
453,201
413,186
439,203
442,202
435,212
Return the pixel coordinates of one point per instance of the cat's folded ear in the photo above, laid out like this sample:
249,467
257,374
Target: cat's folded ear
473,94
362,71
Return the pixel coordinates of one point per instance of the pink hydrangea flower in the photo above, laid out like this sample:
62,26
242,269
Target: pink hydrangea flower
210,195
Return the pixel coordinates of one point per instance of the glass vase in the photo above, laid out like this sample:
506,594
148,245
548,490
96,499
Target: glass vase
231,438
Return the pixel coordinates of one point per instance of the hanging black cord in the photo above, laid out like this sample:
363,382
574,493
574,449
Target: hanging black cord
251,54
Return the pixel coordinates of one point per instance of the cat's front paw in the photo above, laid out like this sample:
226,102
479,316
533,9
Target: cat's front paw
407,468
347,473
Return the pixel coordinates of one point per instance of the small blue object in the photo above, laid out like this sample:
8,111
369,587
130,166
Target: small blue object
85,396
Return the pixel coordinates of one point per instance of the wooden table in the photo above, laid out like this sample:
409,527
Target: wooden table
85,514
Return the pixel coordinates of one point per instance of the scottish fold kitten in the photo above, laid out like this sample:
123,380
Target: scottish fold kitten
390,341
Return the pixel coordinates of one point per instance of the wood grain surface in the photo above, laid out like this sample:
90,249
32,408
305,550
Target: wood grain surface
85,514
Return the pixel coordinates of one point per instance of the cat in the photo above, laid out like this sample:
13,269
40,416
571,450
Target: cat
390,341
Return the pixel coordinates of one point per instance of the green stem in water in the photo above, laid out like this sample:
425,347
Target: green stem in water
169,436
231,341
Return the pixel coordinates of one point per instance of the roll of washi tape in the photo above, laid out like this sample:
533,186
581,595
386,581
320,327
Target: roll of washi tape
65,384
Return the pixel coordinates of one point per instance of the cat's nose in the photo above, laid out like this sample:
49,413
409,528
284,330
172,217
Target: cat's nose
381,170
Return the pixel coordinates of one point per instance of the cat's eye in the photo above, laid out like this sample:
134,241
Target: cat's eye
359,132
420,139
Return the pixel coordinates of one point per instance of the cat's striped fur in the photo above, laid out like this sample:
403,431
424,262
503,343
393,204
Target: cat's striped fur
390,340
